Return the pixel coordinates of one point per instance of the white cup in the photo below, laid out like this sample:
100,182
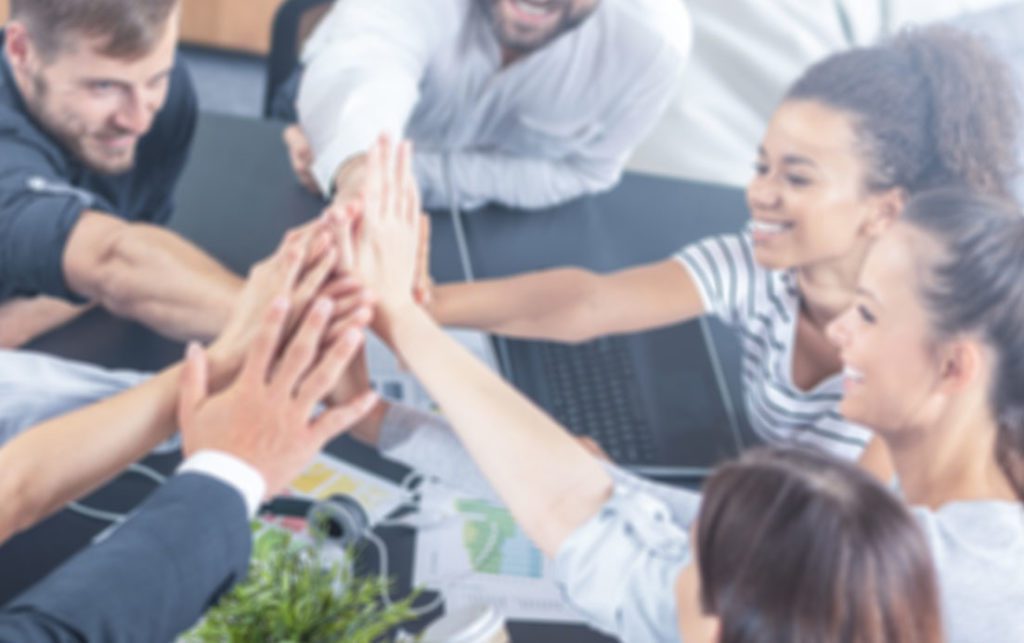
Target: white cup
476,624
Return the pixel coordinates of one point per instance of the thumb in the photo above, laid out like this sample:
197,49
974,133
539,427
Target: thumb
193,387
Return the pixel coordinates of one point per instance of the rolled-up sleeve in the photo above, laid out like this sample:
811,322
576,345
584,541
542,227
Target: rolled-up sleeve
38,210
363,69
619,569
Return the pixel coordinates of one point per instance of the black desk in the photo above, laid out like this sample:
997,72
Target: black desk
236,200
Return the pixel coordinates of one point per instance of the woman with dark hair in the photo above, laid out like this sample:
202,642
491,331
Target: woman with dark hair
790,546
933,354
794,545
855,137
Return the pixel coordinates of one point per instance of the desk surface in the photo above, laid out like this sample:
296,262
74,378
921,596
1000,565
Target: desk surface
240,215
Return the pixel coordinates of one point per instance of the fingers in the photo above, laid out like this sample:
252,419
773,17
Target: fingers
193,387
328,370
400,184
314,278
345,222
361,314
302,350
268,338
335,420
374,183
423,281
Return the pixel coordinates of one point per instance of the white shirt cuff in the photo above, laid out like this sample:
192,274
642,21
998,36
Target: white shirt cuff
233,472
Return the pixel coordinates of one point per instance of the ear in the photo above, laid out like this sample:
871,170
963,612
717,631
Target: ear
18,45
963,364
887,208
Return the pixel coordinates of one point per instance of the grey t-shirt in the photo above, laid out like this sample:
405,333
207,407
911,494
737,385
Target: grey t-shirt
978,547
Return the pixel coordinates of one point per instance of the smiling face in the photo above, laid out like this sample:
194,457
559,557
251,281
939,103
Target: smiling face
523,26
892,366
807,201
97,107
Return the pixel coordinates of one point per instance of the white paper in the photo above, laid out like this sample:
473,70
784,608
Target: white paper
327,475
482,556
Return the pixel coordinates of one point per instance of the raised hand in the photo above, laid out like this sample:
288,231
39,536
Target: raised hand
264,417
303,266
379,239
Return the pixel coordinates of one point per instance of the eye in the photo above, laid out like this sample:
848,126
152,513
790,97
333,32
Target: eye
866,314
761,168
101,86
798,181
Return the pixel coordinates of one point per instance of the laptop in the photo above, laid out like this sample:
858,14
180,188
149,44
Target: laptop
656,402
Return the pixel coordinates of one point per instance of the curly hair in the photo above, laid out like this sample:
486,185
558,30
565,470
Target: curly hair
933,106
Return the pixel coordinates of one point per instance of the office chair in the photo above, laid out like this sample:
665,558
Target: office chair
293,23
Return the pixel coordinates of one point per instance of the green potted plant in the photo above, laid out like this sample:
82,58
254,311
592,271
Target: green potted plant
298,592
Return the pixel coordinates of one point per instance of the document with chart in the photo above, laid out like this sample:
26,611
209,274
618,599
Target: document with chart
482,556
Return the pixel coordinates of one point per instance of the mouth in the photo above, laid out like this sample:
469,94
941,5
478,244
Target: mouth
852,375
533,12
117,142
762,229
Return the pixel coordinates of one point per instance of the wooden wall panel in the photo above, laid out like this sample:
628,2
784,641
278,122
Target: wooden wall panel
4,8
241,25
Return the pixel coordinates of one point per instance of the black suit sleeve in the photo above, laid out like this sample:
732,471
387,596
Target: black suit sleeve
149,580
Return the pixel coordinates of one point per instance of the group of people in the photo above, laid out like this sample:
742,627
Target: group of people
875,294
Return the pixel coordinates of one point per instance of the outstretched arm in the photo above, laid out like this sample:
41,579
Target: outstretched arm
65,457
548,480
571,304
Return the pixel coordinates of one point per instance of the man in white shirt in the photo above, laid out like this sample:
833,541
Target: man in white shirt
528,103
746,53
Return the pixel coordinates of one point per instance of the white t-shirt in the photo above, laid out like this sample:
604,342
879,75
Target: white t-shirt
763,306
556,124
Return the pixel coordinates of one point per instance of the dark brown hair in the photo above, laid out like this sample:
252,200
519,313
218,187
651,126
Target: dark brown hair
975,286
795,546
131,27
933,106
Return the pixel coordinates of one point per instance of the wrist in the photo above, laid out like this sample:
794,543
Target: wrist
368,429
391,315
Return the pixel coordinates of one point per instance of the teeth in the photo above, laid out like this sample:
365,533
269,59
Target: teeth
768,227
531,9
853,374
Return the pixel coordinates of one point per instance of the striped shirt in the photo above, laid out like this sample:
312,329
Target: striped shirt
762,306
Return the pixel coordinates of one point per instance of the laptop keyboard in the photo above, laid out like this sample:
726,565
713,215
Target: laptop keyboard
594,392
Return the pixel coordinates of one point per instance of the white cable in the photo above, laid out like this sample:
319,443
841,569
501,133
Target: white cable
112,516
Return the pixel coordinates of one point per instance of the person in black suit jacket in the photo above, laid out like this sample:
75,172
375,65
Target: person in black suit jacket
190,540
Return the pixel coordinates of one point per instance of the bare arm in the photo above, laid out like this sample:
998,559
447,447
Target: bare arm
22,320
548,480
571,304
151,275
68,456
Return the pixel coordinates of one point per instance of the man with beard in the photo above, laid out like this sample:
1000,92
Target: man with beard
96,119
523,102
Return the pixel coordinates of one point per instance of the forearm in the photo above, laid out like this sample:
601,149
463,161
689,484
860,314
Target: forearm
163,281
551,304
65,457
549,482
22,320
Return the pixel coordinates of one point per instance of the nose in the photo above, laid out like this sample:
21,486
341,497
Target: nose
838,330
762,193
136,113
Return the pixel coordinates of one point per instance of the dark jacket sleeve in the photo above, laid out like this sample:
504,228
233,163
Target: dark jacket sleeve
150,579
